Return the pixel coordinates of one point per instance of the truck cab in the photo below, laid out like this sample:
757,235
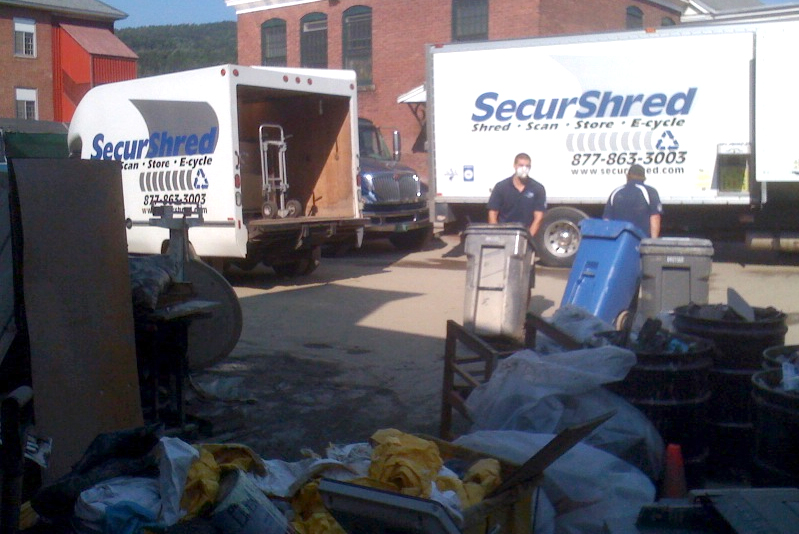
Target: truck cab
393,198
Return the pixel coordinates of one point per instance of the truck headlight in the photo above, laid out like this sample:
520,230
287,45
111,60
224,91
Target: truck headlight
367,182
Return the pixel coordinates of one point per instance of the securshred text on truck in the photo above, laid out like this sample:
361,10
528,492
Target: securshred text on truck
267,154
709,111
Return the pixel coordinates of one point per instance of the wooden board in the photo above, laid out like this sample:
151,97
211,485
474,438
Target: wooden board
78,303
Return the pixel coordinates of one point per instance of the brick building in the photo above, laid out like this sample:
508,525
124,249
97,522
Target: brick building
53,51
385,41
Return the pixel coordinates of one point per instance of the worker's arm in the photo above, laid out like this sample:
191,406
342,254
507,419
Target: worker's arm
538,216
493,216
654,225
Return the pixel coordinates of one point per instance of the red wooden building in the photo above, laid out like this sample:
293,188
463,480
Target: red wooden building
54,52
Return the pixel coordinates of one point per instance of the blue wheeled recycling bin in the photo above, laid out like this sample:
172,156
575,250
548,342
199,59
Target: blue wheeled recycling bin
606,270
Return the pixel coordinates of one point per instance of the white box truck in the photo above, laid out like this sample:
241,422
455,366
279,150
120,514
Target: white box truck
709,111
269,155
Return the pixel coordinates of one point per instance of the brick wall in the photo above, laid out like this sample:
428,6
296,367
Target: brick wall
401,29
29,73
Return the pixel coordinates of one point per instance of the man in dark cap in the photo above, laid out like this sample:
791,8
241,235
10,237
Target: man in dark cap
636,203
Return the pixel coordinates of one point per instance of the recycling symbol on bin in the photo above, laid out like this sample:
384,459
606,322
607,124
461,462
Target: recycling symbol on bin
666,138
200,180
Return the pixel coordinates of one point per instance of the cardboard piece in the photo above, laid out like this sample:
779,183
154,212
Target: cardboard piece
78,305
737,304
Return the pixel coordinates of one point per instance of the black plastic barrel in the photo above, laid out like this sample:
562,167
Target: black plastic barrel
773,357
776,457
670,386
739,346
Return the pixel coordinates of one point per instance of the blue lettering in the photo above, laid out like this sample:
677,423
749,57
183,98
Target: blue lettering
97,146
564,103
505,110
589,104
191,145
166,144
488,109
520,114
208,142
152,152
130,149
609,99
654,105
159,145
549,113
681,98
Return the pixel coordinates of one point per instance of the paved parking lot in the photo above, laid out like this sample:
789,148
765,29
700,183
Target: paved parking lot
358,345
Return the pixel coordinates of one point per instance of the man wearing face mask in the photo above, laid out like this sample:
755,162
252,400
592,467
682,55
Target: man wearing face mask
518,199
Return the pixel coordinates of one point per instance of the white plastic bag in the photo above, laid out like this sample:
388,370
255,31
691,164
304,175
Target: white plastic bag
548,393
582,488
174,461
89,516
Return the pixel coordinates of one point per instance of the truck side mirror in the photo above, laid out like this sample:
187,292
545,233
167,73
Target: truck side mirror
397,141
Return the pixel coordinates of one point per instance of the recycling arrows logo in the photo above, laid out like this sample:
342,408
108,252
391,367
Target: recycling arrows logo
200,180
667,139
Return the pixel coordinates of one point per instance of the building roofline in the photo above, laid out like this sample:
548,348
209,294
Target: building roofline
251,6
108,13
755,13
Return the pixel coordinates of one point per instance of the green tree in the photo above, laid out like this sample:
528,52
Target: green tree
173,48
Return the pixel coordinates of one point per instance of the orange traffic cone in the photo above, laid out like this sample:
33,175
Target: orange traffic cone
674,485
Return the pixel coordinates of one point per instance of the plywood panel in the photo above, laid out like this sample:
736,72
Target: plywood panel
319,147
77,298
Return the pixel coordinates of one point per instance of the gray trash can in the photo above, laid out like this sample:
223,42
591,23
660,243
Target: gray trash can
498,279
675,272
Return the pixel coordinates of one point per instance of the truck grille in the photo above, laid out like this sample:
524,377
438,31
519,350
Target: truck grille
388,189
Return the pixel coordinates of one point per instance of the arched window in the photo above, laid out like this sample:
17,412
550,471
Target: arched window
667,21
469,20
357,42
313,41
635,18
273,43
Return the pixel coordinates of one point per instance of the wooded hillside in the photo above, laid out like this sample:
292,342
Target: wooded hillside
164,49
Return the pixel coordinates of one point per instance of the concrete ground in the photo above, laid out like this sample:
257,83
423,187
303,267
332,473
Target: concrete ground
358,345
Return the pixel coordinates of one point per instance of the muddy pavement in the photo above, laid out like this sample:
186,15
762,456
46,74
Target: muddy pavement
358,345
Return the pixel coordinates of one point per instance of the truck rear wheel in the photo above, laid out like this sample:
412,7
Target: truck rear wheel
559,237
299,267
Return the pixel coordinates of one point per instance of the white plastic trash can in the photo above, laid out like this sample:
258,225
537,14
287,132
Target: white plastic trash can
498,279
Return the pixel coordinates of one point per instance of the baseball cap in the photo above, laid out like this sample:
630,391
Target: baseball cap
636,170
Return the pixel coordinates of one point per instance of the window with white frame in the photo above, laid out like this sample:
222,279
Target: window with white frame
27,104
25,37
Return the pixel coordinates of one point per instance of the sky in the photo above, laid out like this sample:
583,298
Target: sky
161,12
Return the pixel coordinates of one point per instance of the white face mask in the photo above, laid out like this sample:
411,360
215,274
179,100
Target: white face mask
522,171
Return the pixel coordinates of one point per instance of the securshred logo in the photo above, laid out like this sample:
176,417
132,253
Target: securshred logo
175,129
491,105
